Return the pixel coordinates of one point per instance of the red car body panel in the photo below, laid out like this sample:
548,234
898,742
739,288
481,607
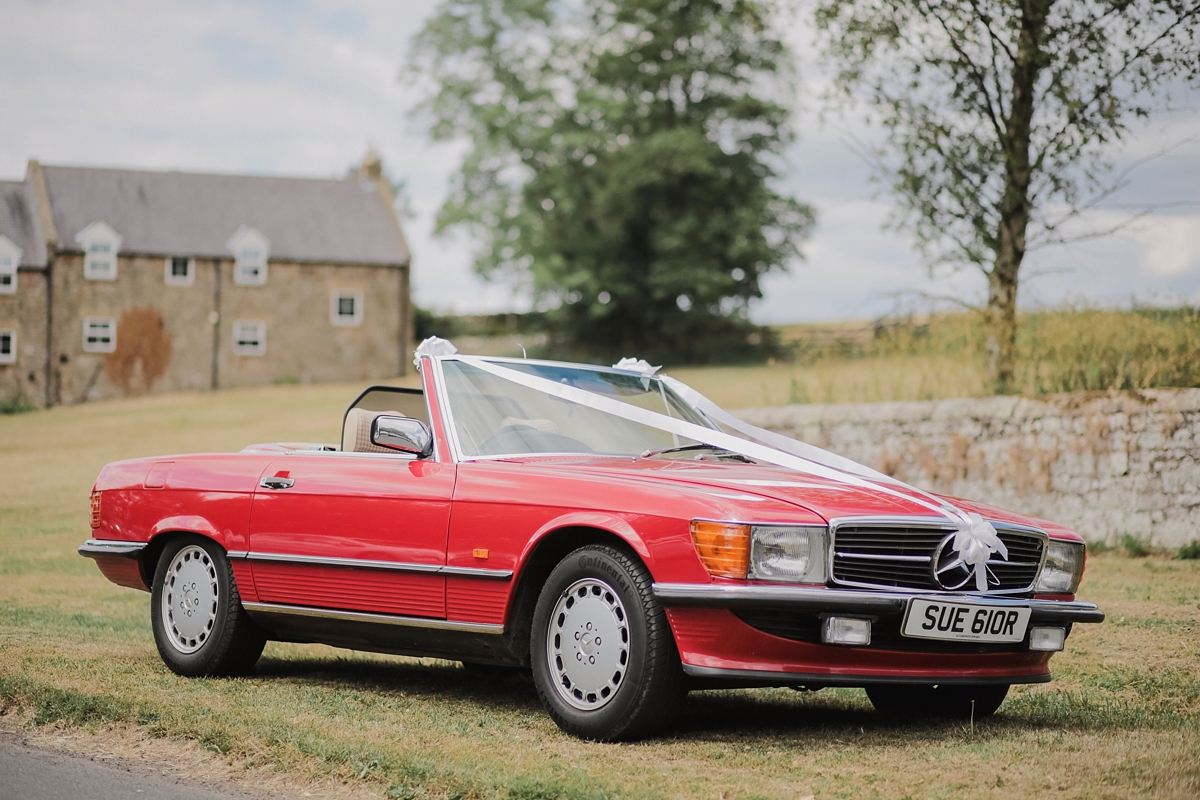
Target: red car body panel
437,540
371,509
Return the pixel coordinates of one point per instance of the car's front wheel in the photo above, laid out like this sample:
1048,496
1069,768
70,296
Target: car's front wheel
951,701
604,660
199,624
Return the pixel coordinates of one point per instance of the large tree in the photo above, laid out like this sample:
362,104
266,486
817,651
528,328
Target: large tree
621,158
1000,117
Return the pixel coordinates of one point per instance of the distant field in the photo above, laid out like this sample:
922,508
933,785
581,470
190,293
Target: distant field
1122,719
943,356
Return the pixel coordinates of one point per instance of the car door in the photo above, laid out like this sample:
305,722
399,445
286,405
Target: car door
352,531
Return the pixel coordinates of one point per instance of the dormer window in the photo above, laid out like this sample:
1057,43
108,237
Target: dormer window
10,259
101,245
249,248
180,271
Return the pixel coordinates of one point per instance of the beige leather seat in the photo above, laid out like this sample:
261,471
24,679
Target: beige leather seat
356,434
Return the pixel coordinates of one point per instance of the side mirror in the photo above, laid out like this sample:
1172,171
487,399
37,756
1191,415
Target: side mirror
402,434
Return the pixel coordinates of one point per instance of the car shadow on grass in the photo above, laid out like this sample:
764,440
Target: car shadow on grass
498,689
832,715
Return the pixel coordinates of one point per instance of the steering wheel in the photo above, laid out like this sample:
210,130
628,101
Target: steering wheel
527,439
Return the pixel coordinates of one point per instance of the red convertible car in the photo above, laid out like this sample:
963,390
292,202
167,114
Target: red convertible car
608,529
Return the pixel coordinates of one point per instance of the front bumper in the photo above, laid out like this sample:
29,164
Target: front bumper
756,635
818,599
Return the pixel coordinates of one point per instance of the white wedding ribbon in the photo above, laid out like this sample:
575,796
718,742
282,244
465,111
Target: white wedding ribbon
975,539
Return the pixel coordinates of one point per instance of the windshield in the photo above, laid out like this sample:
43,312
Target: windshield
493,416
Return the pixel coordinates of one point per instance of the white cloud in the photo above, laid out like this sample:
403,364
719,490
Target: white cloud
1172,244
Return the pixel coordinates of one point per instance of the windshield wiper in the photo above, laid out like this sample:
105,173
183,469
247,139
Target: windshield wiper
684,448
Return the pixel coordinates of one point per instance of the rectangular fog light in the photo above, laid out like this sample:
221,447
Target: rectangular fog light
1051,639
846,630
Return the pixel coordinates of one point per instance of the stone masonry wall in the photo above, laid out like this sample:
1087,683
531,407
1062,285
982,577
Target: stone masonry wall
1105,464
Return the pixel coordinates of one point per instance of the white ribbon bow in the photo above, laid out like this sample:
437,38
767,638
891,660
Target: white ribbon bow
975,542
433,346
636,365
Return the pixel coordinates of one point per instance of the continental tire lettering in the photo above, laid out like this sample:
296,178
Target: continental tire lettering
590,562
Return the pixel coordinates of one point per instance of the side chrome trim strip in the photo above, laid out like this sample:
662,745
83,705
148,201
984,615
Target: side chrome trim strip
352,563
99,548
378,619
388,566
821,599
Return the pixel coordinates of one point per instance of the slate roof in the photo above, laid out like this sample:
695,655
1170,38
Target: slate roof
19,222
195,214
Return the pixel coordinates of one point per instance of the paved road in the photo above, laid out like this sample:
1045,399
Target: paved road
29,774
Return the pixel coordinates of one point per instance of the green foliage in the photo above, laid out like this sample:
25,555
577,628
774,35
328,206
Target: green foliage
621,159
1133,546
16,405
1189,551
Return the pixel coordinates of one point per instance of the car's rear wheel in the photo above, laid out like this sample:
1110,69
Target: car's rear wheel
604,660
950,701
199,624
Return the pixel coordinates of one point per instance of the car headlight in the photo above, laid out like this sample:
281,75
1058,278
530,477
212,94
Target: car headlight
793,553
1063,568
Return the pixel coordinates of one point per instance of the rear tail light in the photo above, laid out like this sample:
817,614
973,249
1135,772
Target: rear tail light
96,509
724,549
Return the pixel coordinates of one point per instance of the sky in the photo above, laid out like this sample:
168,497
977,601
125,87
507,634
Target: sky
306,87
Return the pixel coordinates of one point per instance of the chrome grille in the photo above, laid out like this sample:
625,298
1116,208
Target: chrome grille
886,555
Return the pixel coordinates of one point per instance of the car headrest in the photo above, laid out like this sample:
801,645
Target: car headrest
356,435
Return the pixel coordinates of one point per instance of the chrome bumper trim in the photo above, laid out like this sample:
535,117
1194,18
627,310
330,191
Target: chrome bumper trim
101,548
720,678
378,619
819,598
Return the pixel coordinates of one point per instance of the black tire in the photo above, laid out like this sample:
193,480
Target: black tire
646,690
947,701
213,635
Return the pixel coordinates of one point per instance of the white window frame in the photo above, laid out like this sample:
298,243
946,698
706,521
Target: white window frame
251,251
99,347
101,245
239,334
11,356
10,262
335,315
171,279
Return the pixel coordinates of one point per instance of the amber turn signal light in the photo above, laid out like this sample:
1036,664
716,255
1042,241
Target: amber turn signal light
95,509
724,549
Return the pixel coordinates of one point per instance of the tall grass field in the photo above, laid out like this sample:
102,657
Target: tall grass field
77,659
942,356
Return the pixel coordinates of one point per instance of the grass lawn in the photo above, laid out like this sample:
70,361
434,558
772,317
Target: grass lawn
1121,720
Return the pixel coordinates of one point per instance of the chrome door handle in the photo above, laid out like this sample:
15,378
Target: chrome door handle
277,483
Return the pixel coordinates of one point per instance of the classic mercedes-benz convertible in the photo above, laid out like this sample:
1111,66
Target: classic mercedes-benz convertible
609,529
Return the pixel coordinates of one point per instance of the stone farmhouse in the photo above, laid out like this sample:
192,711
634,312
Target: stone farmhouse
120,282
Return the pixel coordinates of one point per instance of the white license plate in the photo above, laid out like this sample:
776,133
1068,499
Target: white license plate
965,622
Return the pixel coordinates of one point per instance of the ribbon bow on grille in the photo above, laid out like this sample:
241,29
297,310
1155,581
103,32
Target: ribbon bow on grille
975,542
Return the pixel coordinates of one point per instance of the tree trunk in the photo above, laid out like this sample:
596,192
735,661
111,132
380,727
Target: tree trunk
1015,206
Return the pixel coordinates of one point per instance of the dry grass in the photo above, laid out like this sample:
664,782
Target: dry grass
931,358
76,654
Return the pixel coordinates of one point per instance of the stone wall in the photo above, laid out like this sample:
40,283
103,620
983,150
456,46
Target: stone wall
1105,464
